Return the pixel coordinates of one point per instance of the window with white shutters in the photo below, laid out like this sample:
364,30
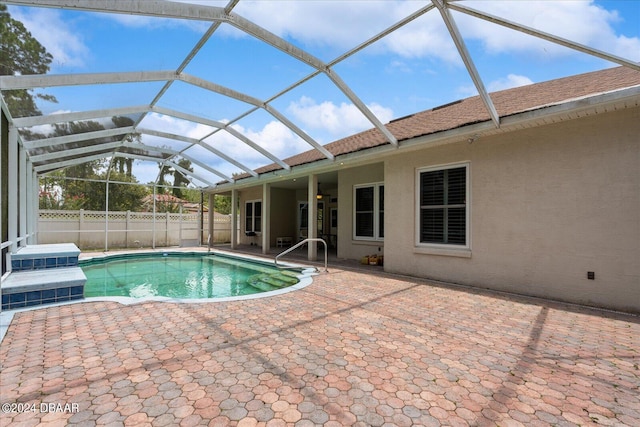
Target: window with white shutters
442,206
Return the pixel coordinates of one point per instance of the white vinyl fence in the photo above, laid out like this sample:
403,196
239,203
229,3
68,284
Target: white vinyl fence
88,229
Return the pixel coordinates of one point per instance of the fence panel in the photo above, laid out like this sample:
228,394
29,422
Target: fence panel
87,229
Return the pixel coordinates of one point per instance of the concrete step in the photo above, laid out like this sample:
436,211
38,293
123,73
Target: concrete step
36,287
40,257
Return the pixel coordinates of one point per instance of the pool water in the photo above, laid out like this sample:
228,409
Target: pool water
181,275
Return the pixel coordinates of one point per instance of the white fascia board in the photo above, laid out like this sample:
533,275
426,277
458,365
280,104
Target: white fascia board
618,99
24,122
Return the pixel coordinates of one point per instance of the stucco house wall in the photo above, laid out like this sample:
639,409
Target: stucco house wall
348,247
548,205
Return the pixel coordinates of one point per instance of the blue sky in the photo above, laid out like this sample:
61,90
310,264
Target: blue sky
413,69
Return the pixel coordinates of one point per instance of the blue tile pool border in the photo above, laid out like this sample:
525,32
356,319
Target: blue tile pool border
43,263
45,296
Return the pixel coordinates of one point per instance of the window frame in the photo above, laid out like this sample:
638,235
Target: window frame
447,248
377,211
253,216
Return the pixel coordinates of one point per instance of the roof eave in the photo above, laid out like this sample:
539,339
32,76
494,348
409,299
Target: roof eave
532,117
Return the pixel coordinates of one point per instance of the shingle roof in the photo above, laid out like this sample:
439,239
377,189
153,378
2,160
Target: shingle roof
472,110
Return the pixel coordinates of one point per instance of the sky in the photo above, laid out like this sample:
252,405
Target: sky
415,68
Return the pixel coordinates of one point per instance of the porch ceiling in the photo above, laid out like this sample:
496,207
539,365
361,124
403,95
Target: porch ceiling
213,150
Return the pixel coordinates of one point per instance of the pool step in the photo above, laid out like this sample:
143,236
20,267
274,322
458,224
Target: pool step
273,281
41,257
43,274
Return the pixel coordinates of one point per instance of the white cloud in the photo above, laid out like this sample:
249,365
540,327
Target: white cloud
508,82
344,24
55,34
399,66
175,126
582,22
274,137
327,23
338,120
42,129
425,37
511,81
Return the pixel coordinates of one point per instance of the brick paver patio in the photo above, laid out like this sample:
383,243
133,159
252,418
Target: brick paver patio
350,349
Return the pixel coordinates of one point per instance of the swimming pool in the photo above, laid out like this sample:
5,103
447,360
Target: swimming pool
182,275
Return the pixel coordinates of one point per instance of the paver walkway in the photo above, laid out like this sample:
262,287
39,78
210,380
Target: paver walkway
350,349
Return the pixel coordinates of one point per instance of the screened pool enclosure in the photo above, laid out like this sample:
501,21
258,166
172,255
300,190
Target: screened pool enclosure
216,98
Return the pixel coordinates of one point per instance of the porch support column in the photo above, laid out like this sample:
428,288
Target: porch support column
106,215
212,207
25,193
35,203
234,219
266,218
12,190
153,238
312,220
30,209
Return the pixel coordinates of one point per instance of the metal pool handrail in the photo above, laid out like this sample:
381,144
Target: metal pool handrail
297,245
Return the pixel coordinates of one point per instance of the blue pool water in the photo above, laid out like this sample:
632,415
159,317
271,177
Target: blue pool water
181,275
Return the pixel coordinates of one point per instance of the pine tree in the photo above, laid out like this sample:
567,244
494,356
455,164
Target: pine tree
21,54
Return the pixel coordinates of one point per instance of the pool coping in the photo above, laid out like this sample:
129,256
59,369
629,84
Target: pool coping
305,279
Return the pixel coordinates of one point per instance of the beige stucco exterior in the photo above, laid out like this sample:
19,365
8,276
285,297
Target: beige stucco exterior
348,247
548,204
